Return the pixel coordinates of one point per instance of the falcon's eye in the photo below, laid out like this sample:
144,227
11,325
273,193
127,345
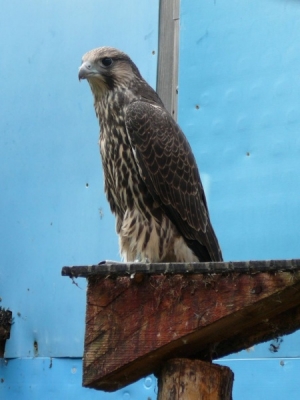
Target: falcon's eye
106,61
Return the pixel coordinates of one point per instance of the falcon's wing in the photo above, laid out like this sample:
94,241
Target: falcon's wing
169,169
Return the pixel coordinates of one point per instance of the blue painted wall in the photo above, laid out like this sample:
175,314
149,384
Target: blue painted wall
239,104
239,100
54,211
240,62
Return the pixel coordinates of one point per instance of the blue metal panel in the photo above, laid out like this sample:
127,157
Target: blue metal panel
239,104
60,379
54,211
275,379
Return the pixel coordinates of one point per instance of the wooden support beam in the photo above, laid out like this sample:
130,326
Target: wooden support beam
183,379
139,316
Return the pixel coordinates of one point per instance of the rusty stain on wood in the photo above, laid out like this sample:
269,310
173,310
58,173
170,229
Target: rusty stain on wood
133,327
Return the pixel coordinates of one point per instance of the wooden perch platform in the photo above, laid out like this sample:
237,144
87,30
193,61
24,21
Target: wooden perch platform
139,316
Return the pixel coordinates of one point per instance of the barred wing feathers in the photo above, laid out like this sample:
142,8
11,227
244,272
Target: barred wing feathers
168,167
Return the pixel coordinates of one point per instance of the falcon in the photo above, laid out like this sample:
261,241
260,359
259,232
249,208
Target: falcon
152,181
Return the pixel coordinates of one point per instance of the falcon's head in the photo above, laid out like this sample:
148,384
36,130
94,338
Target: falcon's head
106,68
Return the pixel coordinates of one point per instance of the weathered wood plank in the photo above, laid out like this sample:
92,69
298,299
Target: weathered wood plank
110,268
132,328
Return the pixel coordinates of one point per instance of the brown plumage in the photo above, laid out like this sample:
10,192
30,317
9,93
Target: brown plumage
151,178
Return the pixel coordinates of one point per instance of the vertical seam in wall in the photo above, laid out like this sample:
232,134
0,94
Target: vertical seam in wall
168,54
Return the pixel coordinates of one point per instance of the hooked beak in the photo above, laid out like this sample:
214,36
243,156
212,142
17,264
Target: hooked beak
86,70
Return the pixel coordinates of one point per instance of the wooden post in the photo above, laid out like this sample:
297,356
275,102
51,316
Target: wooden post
184,379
